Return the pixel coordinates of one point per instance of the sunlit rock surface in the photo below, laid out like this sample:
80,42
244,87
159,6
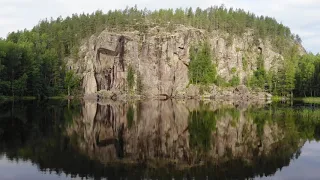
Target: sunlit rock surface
160,59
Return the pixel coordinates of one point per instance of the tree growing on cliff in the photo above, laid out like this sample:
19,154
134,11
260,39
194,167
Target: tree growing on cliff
130,78
259,75
201,68
72,82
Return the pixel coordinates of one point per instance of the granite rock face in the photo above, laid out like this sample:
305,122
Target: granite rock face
160,59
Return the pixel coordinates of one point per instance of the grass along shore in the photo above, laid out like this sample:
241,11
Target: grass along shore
311,100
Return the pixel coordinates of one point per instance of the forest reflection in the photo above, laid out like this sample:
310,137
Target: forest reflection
153,139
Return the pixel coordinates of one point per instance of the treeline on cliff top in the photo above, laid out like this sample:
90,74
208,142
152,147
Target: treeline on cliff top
32,61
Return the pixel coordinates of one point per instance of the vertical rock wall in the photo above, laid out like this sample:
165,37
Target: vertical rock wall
162,59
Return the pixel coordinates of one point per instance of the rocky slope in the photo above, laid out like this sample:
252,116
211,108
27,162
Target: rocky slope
160,60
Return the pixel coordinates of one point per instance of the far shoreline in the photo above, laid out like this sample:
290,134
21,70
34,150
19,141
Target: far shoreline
309,100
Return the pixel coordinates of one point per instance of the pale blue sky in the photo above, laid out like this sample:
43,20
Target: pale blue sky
302,16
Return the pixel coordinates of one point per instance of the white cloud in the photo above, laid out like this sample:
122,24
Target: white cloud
300,15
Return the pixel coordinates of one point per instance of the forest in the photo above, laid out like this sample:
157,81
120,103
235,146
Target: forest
32,62
298,76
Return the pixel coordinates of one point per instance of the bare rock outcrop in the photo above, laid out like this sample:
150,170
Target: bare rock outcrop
160,60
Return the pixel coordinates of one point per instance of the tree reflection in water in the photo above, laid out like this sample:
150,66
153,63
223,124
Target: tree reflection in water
156,139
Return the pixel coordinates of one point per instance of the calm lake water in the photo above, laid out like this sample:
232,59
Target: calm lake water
158,140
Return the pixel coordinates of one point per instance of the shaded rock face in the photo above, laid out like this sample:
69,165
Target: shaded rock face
153,131
162,58
108,77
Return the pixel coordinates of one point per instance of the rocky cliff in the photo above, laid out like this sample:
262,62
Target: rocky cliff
160,59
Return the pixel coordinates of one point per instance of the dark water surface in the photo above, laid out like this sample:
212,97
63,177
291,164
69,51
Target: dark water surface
155,140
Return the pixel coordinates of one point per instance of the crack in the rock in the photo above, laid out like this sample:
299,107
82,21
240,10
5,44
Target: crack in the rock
110,74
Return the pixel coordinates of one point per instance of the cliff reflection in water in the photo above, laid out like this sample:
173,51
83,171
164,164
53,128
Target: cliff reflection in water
184,134
156,139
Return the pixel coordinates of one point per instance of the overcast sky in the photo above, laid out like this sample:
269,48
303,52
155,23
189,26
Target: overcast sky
302,16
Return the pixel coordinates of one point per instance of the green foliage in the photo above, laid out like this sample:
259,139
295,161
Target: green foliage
311,100
235,81
233,70
302,121
75,52
308,76
71,82
30,69
139,83
201,125
244,63
201,68
229,40
14,65
130,77
283,81
130,116
72,111
220,81
20,85
259,76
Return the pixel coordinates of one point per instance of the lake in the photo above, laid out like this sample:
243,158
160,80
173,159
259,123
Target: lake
158,140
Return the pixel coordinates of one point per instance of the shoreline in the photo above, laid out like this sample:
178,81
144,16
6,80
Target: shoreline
134,97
